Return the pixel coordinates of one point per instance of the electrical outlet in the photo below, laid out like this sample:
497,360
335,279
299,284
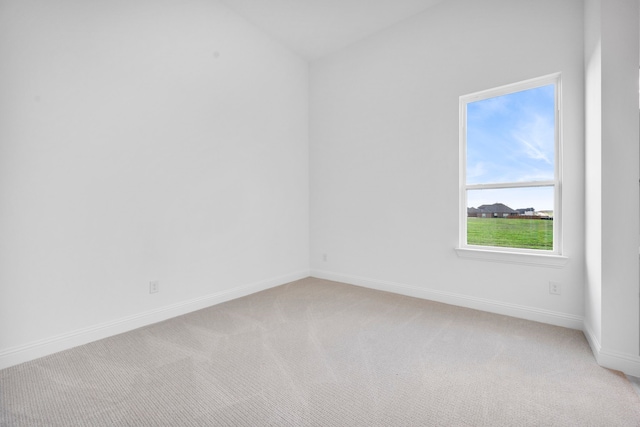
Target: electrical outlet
555,288
324,257
154,286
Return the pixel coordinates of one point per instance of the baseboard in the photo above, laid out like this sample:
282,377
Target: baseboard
16,355
592,339
624,362
498,307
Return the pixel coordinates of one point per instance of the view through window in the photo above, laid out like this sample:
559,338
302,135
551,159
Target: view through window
510,167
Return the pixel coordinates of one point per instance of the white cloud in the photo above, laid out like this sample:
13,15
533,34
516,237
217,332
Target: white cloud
477,170
537,139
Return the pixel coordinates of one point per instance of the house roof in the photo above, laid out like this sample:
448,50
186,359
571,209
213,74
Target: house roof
496,208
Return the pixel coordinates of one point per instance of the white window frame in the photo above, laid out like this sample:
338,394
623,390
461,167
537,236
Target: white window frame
519,255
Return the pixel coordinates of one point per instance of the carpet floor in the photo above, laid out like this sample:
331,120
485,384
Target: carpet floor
315,352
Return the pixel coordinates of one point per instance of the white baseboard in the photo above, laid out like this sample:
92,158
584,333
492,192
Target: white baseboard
593,341
624,362
627,363
507,309
24,353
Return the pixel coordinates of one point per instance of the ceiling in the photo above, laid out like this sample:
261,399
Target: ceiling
314,28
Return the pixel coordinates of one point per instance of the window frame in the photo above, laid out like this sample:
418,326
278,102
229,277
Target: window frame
510,254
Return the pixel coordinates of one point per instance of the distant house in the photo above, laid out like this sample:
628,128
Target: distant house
500,210
545,214
496,210
526,211
472,212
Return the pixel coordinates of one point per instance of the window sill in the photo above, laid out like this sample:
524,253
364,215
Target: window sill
541,260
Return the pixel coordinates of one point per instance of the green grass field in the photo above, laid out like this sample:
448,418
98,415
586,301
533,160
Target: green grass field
513,233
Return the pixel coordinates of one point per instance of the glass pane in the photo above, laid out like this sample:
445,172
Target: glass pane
513,217
511,138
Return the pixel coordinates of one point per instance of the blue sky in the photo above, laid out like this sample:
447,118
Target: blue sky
510,138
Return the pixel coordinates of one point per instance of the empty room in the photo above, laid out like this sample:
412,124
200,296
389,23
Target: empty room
319,212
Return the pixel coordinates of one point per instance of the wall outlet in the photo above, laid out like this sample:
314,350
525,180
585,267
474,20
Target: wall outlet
324,257
154,286
555,288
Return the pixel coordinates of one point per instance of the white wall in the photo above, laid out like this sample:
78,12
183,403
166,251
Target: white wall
593,170
612,309
384,153
142,140
620,174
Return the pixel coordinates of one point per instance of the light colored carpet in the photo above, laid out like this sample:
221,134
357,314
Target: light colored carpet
315,352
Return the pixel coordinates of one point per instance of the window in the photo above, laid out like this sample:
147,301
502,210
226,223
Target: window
510,168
